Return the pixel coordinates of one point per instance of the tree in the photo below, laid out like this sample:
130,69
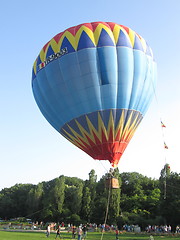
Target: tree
57,194
100,202
170,195
73,194
114,204
86,204
107,201
92,177
132,192
164,175
140,198
34,201
13,201
91,184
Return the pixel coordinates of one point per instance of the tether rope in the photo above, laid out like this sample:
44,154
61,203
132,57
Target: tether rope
107,210
163,138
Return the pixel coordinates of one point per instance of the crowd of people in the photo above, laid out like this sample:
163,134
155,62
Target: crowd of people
162,229
80,232
159,229
131,228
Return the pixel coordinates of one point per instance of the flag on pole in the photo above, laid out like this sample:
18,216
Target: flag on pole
165,146
162,124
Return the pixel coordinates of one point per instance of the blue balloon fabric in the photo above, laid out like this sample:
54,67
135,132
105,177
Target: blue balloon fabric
94,83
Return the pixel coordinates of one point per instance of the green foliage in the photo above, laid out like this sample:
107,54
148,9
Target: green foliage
170,201
13,201
34,199
139,200
140,195
75,219
73,196
86,204
92,177
57,195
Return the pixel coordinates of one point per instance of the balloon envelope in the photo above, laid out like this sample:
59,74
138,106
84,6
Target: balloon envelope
94,83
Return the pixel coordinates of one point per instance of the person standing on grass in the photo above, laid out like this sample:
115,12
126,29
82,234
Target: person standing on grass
58,233
84,229
79,233
73,232
117,233
48,231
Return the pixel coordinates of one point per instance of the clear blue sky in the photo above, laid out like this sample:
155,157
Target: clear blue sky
31,151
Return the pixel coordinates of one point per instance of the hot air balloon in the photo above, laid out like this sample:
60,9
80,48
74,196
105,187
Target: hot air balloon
94,83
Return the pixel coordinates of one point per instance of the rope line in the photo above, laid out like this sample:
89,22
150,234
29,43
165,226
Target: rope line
163,137
103,166
107,209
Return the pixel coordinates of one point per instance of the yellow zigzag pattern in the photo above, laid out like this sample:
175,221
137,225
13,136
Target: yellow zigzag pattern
94,36
74,40
130,36
126,131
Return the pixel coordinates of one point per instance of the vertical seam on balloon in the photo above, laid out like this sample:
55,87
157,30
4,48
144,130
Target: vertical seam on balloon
114,117
128,110
59,67
100,83
151,84
54,112
78,125
42,109
147,69
117,89
133,34
77,38
65,82
44,99
144,80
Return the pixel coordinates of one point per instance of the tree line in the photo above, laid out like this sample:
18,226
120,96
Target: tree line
139,200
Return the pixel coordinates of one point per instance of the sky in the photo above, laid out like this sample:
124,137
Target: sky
31,151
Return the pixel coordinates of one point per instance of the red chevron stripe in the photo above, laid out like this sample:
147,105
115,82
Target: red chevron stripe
125,28
58,37
111,25
45,46
88,25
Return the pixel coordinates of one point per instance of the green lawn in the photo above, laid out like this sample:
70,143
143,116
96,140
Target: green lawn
5,235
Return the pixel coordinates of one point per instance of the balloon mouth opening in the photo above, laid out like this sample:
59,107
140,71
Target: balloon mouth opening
114,162
114,165
112,158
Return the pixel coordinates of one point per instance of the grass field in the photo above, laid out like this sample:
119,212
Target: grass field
5,235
